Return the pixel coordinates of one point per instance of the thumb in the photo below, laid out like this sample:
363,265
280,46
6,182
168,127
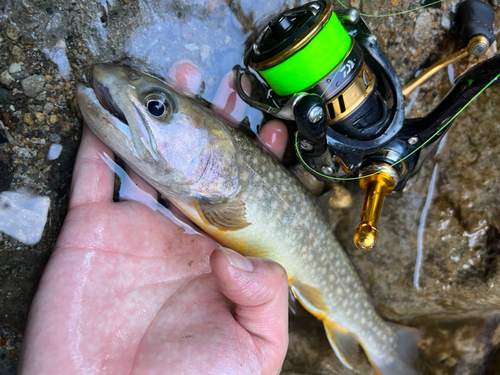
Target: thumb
259,290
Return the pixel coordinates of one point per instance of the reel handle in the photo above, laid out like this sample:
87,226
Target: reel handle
476,18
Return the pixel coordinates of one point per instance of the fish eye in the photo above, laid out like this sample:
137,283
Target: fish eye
157,105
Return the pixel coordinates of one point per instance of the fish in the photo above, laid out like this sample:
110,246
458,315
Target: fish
246,200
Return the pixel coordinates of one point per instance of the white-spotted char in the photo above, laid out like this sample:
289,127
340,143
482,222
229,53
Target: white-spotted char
246,200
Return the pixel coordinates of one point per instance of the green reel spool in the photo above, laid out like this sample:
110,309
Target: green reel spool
300,47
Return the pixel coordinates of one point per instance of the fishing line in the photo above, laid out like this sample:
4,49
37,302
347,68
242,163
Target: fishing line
394,14
407,156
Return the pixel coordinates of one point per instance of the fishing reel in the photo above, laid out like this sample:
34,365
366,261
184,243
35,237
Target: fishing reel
324,71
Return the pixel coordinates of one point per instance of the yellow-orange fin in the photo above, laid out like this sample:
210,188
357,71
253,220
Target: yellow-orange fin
343,343
229,215
310,297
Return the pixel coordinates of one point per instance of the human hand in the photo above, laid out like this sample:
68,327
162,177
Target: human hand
128,291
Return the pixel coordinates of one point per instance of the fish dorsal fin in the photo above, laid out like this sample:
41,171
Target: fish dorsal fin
343,343
310,297
228,215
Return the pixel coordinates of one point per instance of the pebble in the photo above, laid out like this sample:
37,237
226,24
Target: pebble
24,152
54,151
33,85
20,75
39,116
18,54
422,27
47,108
53,119
6,97
14,68
54,138
6,78
355,4
445,22
28,119
12,32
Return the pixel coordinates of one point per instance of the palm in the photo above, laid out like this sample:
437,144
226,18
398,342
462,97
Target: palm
128,291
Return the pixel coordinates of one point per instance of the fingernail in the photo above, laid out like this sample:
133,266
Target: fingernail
237,260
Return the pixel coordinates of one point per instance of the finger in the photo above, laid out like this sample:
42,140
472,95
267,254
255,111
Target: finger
92,179
259,289
274,137
185,76
140,183
227,103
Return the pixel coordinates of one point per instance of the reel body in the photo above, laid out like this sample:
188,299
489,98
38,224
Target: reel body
325,72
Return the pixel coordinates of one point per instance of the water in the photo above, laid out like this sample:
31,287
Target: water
458,300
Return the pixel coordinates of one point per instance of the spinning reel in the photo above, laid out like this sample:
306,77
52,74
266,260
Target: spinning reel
325,72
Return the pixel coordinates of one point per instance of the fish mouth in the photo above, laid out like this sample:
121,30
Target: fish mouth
103,95
110,82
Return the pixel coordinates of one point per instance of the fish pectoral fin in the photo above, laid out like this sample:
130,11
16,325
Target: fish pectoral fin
310,297
229,215
344,344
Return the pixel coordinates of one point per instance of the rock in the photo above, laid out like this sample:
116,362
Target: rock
12,32
20,75
42,97
47,108
337,197
28,119
6,78
39,116
26,153
33,85
6,97
422,27
18,54
445,22
54,151
355,4
311,183
54,138
53,119
14,68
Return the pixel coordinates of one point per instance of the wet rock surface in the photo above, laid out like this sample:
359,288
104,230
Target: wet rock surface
47,47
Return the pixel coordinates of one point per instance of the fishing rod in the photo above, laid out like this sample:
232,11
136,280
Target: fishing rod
325,72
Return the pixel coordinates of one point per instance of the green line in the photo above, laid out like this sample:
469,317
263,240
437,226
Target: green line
407,156
394,14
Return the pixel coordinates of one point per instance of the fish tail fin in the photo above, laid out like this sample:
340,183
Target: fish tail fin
405,352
